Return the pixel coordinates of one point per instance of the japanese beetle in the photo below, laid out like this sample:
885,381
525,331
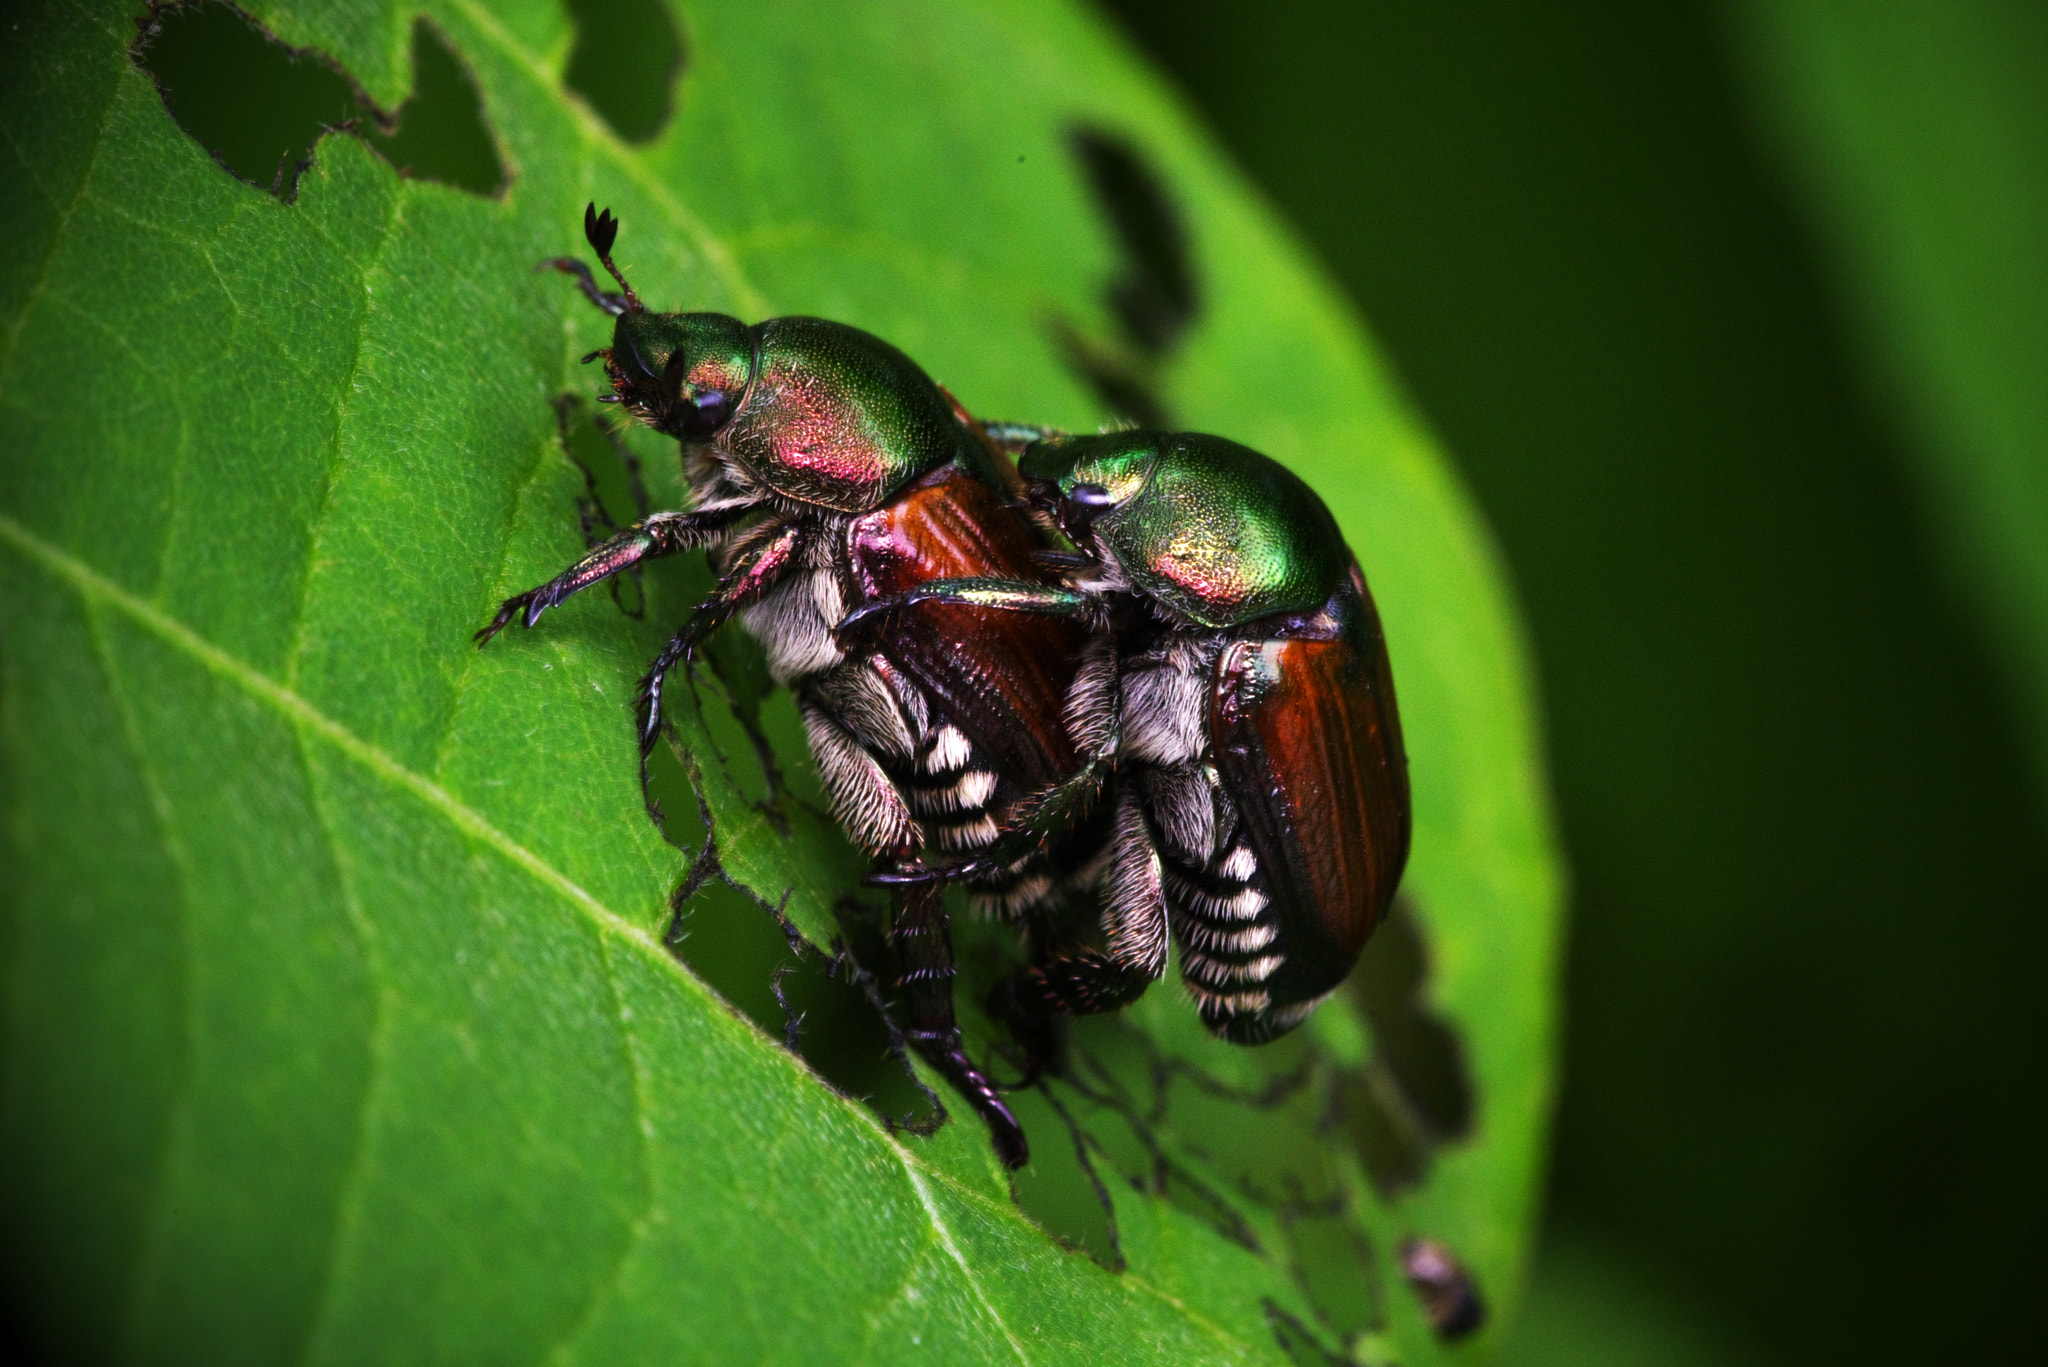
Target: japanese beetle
1238,679
830,471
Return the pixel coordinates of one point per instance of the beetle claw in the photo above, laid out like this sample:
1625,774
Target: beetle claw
854,623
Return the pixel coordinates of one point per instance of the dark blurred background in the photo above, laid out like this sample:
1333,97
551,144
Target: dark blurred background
1802,1083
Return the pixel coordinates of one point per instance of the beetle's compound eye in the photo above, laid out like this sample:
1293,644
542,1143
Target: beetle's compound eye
690,412
1085,503
703,413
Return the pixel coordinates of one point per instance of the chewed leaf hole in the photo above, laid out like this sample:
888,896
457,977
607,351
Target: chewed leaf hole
733,937
627,59
255,104
734,944
1154,297
1336,1270
259,106
1415,1093
440,133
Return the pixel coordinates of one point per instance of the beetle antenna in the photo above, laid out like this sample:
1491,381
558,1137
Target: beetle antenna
601,230
614,304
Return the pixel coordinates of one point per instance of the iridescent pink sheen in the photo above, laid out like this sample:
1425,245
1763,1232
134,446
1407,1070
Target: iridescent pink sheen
1216,573
821,431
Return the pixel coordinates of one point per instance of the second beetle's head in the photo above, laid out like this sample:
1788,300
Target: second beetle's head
1210,530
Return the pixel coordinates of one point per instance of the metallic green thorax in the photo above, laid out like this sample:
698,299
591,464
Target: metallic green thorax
1206,527
816,411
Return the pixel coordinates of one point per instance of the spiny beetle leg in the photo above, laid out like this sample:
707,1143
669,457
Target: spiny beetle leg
1035,1000
1084,983
1004,595
1038,819
621,552
756,569
1030,826
661,534
614,304
923,949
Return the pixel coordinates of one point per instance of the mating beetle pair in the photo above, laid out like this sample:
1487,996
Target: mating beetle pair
1208,648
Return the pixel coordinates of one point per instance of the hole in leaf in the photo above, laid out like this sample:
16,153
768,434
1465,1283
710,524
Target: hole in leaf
1415,1093
750,957
1300,1343
1154,296
614,491
733,943
259,106
440,133
1065,1188
725,933
627,58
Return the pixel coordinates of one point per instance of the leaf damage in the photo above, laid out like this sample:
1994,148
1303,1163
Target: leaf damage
1156,1148
260,106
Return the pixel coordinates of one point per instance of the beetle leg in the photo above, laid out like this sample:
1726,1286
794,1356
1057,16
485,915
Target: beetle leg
924,961
1013,437
864,800
1087,981
661,534
755,570
1095,720
614,304
1002,595
998,595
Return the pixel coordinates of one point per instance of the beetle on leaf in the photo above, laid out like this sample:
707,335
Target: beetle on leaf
829,472
1237,680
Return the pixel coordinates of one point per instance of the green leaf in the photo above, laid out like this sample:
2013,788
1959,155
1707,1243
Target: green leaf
342,1017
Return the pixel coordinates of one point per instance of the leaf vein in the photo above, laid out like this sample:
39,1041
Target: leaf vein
37,282
596,132
91,584
1127,1277
883,1306
944,1232
467,672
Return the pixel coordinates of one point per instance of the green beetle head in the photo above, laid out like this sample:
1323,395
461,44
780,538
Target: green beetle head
1208,529
680,373
1080,479
814,411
